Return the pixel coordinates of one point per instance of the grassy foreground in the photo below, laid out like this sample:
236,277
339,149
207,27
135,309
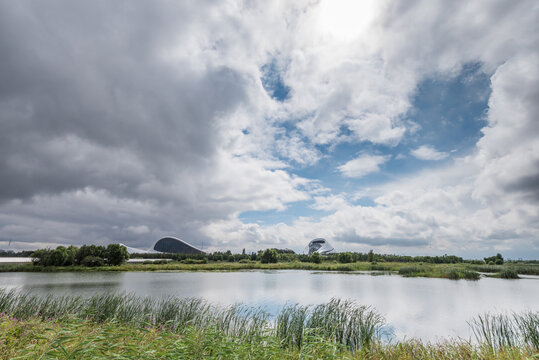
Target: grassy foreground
129,327
448,271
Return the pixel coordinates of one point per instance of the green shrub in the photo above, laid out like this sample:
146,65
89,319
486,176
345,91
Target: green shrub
269,256
316,258
192,261
497,259
509,274
410,270
89,250
345,258
116,254
455,274
92,261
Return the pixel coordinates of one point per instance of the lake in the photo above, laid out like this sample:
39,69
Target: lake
413,307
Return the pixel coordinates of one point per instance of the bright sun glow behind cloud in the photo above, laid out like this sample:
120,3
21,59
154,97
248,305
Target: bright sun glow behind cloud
345,20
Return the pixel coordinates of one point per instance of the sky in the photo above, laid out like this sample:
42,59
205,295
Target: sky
405,127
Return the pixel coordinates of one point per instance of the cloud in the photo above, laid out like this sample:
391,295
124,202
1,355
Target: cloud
363,165
427,152
126,122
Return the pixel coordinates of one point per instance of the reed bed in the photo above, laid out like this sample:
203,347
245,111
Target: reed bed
127,326
341,322
500,331
82,339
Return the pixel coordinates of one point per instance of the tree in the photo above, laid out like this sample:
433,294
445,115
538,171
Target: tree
498,259
116,254
370,256
316,257
58,257
41,257
269,256
345,258
89,250
92,261
71,254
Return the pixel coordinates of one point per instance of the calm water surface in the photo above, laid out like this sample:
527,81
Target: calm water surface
414,307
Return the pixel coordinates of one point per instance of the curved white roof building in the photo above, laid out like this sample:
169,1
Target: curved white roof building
319,245
168,244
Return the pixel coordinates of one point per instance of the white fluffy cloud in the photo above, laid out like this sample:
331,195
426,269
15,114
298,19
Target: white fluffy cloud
363,165
427,152
484,202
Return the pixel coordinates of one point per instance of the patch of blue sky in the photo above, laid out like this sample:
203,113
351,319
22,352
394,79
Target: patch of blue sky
450,112
273,83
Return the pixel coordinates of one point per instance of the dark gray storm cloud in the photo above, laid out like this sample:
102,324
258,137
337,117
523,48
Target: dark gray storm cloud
90,77
92,109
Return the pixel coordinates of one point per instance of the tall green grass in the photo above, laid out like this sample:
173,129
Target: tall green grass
339,325
129,327
342,322
499,331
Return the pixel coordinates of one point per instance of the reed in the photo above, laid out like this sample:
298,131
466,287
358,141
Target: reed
72,338
339,326
341,322
501,331
509,274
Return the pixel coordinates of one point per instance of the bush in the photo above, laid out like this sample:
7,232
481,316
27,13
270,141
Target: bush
58,257
269,256
89,250
509,274
410,270
455,274
316,258
116,254
193,261
497,259
345,258
47,257
92,261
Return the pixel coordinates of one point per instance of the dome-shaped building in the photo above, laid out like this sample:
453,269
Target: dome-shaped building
174,245
167,244
319,245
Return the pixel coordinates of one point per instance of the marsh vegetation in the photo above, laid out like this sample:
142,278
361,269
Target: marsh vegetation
126,326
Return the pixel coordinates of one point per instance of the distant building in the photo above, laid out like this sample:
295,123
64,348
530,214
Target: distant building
174,245
319,245
167,244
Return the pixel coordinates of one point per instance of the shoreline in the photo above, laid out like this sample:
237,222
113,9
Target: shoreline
447,271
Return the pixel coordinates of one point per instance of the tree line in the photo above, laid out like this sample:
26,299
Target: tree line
116,254
86,255
274,255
